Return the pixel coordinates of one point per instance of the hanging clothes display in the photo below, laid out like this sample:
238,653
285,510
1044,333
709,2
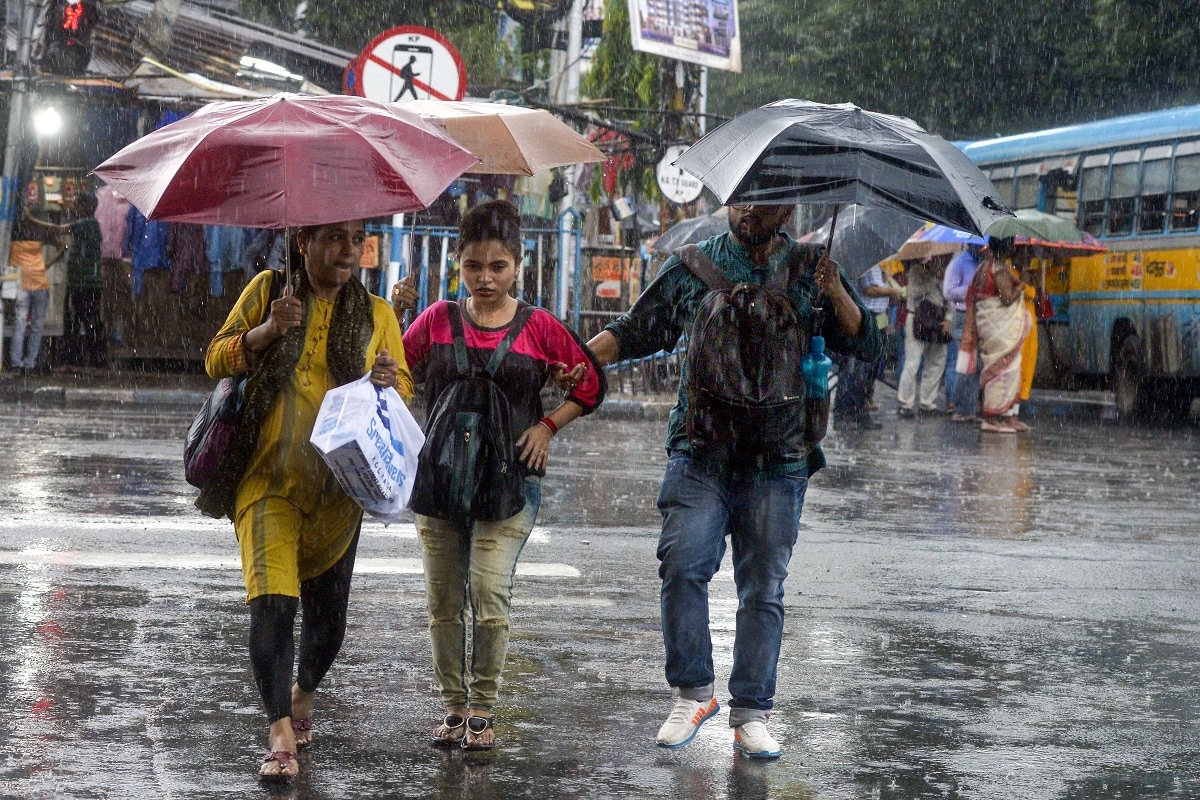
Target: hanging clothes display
187,252
111,211
145,245
223,246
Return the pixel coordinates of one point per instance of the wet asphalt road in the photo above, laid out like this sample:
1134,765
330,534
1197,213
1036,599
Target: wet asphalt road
969,617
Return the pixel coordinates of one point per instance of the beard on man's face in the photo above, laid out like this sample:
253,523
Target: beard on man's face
752,230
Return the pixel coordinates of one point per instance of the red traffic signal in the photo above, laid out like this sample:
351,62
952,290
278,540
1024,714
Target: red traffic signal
69,25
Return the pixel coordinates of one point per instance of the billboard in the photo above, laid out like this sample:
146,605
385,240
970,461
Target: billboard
700,31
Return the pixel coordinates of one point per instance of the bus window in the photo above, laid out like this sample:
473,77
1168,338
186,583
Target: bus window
1122,193
1185,202
1156,179
1004,188
1027,192
1093,186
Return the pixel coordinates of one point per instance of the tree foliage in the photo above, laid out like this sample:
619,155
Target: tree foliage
967,69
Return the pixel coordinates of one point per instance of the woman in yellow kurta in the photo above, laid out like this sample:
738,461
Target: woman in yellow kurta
296,528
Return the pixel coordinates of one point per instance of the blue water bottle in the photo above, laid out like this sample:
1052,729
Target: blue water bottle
816,366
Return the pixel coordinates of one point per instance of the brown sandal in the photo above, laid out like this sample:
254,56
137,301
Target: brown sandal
284,758
299,726
455,726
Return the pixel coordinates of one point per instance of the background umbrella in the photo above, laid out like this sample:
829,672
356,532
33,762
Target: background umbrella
287,161
865,236
692,231
796,151
1050,234
509,140
934,240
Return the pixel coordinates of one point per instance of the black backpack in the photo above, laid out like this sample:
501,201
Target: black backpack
745,388
468,468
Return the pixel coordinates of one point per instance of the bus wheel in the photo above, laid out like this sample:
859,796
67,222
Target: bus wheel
1129,378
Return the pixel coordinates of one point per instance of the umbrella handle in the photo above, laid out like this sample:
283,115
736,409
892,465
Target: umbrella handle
819,301
832,228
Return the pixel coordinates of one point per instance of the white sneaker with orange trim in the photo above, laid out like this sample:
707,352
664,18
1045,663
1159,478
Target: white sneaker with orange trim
754,740
685,719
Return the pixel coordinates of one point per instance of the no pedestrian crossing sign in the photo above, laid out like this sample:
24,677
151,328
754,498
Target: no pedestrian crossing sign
408,63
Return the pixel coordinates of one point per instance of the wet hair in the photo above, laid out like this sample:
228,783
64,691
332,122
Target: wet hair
495,219
86,203
1002,248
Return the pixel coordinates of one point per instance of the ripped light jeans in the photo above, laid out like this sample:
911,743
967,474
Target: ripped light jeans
472,565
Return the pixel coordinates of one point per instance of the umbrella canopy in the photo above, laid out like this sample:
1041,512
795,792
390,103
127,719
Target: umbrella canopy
796,151
509,140
287,160
934,240
864,236
692,231
1050,233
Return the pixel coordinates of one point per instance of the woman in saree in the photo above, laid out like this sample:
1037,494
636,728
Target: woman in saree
998,323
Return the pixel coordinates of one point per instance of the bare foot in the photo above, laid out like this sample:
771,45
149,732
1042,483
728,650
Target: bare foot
448,733
483,739
282,763
301,720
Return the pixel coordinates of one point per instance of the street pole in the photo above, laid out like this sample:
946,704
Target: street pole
18,122
10,183
568,265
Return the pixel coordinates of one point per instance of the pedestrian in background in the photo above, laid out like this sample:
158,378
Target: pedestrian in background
470,563
705,498
856,379
962,390
297,530
924,353
997,325
33,297
83,341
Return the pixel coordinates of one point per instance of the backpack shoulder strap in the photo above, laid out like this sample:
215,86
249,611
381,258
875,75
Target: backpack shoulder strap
461,362
703,268
524,312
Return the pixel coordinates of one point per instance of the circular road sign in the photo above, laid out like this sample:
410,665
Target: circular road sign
677,185
410,63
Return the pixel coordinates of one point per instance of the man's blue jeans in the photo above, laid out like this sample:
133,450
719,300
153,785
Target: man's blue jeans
963,394
30,309
701,504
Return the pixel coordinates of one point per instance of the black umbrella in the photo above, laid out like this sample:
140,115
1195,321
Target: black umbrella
796,151
692,231
866,236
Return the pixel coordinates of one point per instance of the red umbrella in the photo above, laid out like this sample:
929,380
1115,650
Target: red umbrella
287,161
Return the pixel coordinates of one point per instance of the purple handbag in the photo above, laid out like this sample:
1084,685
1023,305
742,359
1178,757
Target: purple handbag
212,431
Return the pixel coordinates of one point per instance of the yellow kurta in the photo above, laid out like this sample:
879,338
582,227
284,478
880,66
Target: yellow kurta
292,519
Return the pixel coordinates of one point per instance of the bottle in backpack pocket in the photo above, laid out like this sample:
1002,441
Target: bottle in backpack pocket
816,366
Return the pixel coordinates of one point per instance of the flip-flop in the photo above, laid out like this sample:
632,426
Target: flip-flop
299,726
475,727
284,758
456,729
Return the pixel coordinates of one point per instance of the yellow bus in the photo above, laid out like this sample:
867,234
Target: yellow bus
1129,318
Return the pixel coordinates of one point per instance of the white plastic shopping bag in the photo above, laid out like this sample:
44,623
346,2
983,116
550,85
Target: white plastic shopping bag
370,441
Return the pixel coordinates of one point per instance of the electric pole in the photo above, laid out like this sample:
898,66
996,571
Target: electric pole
18,124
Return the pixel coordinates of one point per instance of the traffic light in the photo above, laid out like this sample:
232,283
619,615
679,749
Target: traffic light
69,25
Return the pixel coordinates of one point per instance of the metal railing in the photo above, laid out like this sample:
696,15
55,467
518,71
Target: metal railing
550,264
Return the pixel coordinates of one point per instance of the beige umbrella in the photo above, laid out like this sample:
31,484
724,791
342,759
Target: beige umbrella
509,140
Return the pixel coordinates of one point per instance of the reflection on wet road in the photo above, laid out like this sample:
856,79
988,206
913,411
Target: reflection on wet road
997,617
